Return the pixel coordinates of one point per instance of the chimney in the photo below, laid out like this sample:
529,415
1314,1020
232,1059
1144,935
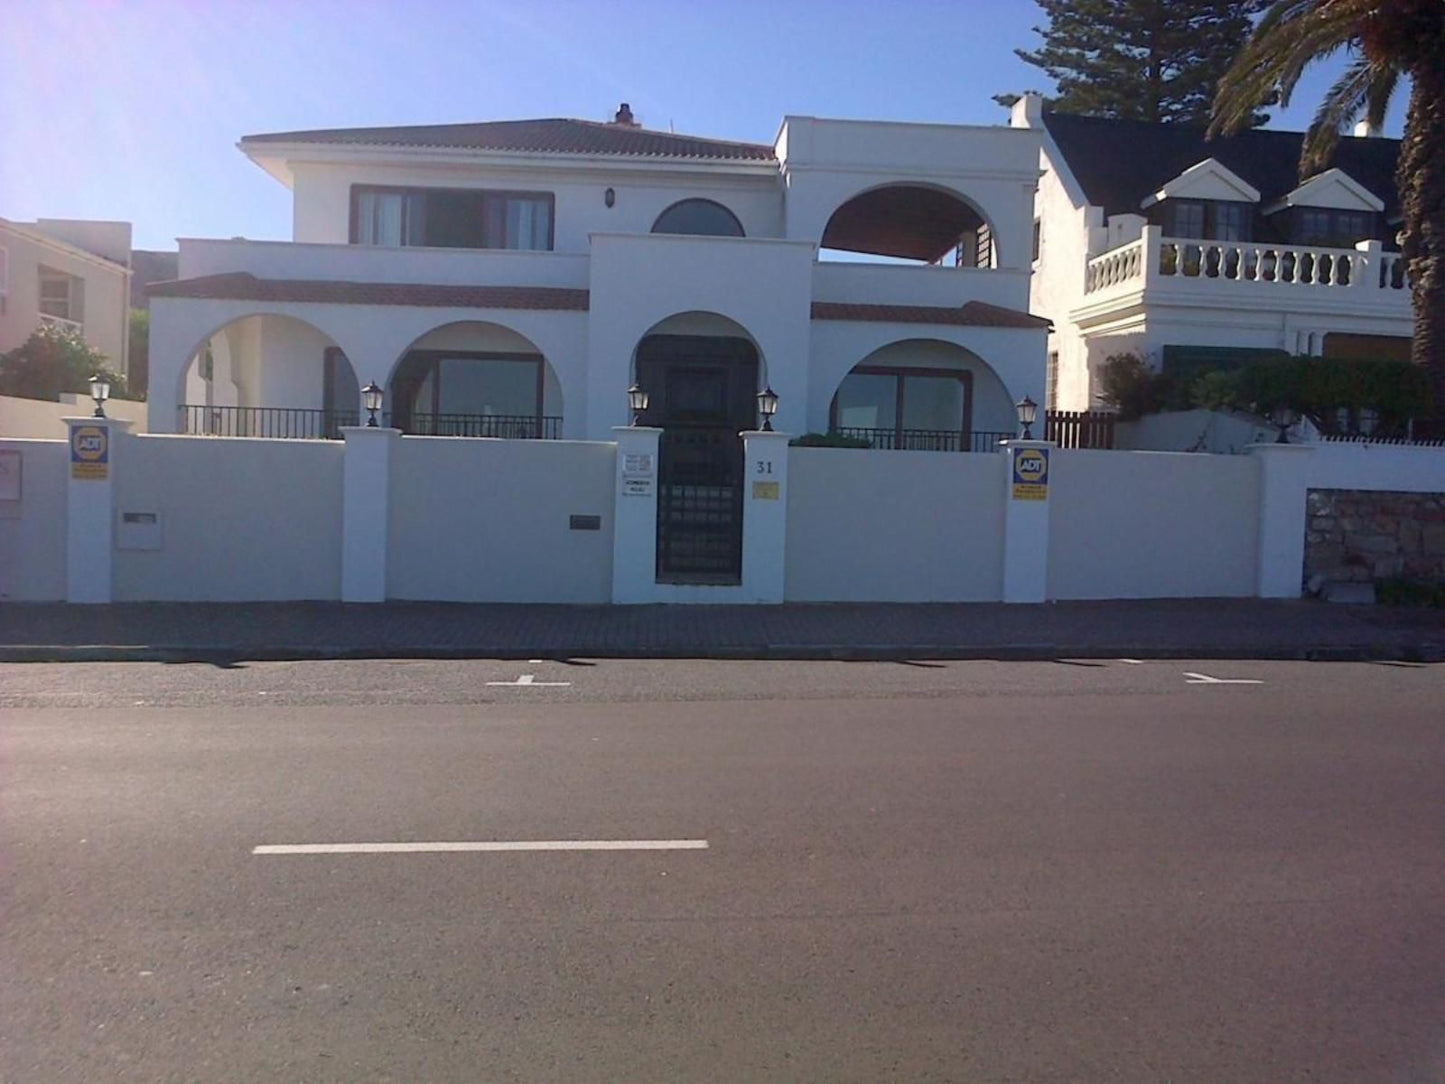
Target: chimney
1028,111
624,116
1365,130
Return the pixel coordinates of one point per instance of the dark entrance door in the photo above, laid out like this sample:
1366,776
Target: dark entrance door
702,394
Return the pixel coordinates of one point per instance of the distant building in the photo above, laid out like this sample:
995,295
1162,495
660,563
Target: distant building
148,267
68,273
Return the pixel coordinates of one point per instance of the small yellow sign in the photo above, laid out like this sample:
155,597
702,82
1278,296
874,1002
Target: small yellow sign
766,491
1030,474
90,453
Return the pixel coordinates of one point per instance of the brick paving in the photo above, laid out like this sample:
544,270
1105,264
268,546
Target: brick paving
1210,628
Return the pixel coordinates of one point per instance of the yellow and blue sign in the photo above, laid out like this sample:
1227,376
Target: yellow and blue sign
1031,474
90,452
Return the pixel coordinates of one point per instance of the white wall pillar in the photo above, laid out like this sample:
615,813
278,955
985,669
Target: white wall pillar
765,515
95,455
1026,520
366,512
1284,471
634,517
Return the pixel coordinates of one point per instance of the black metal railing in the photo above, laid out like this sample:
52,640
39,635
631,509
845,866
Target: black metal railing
925,440
505,426
295,423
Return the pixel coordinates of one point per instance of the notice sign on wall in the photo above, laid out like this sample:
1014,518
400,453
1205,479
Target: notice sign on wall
639,474
90,453
1031,474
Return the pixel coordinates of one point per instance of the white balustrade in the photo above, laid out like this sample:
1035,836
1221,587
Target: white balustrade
1119,265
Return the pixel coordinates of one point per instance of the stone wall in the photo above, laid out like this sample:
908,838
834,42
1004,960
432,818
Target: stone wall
1361,536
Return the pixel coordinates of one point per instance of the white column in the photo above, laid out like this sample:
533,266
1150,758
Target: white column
1284,471
366,512
634,516
765,515
1365,274
95,455
1026,520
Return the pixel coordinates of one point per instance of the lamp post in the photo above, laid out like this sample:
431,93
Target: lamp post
1284,418
371,396
1028,410
637,400
100,392
767,407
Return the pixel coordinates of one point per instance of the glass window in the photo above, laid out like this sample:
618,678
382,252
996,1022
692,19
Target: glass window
452,218
868,401
933,403
701,217
1231,222
59,295
1186,218
488,386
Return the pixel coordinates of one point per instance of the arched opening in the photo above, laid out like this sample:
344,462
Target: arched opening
266,375
923,395
909,223
701,217
475,379
701,372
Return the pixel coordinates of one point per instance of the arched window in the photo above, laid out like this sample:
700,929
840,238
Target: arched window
702,217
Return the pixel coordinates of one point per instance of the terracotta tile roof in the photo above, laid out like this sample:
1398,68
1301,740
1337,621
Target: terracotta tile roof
241,286
972,314
550,136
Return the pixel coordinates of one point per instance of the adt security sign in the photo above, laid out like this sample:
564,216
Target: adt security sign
1031,474
90,453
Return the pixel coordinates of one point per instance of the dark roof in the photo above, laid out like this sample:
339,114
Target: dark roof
551,136
241,286
972,314
1120,162
147,267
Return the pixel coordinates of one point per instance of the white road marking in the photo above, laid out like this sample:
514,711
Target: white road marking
488,845
1205,679
1132,662
530,679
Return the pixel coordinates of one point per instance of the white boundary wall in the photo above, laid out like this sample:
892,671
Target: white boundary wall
40,419
476,520
237,519
894,526
32,529
1152,525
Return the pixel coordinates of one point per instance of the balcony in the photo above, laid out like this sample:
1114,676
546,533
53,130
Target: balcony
366,263
1185,270
922,284
60,323
925,440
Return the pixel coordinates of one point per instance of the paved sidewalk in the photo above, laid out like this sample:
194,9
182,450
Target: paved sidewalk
1208,628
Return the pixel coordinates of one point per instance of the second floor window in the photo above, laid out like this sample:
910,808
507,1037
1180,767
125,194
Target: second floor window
1333,228
1214,220
61,295
451,218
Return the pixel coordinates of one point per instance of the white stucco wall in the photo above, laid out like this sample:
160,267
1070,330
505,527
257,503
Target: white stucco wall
869,526
1152,525
40,419
241,520
488,520
32,530
322,202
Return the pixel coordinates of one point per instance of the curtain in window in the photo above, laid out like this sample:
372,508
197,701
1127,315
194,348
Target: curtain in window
380,218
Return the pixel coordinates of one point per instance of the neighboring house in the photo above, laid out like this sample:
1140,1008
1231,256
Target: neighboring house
1150,239
148,266
515,278
66,272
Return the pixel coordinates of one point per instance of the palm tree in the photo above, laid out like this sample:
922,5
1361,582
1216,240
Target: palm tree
1385,41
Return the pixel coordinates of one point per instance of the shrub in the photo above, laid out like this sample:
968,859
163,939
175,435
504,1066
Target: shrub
53,361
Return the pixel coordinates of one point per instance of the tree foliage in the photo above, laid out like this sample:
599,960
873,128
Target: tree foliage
1153,60
1334,393
1383,40
54,360
138,357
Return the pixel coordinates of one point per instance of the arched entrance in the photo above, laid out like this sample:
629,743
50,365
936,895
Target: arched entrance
923,395
909,223
701,373
475,379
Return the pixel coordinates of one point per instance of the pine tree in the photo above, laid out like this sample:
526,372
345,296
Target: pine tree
1154,60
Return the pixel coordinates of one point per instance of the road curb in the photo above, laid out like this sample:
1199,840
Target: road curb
1031,652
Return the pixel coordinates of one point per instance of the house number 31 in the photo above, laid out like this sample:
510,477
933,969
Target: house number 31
765,466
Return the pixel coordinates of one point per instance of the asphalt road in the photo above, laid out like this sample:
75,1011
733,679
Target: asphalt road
943,871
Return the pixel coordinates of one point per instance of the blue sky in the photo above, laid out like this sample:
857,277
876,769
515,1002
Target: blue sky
130,109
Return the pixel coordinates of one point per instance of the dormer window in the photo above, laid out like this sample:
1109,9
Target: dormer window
1205,219
1328,227
451,218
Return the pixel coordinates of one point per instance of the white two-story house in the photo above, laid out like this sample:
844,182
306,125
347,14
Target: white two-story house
516,278
1150,239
